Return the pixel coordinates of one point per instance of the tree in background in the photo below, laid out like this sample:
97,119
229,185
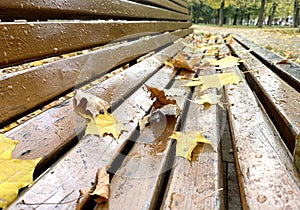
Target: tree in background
296,14
261,13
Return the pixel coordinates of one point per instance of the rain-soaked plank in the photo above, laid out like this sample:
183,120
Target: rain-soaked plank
180,2
48,133
78,9
27,41
22,91
266,174
197,184
287,70
62,182
166,4
281,101
142,172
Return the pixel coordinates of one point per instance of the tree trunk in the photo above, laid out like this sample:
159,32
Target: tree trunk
271,17
235,17
296,14
261,13
221,13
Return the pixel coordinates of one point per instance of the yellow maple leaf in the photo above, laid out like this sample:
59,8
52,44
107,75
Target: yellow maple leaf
186,143
215,80
227,62
17,173
209,99
105,124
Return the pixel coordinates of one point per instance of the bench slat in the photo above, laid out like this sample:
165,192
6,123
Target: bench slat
48,133
77,9
25,90
197,184
180,2
26,41
142,173
165,4
92,152
266,174
290,72
280,100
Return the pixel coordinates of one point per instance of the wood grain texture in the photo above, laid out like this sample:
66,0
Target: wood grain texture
266,174
165,4
180,2
281,101
91,153
198,184
288,71
22,91
27,41
48,133
143,171
77,9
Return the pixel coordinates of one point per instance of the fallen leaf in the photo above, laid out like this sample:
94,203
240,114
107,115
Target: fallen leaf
186,143
160,96
215,80
101,189
284,61
209,99
179,62
227,62
105,124
15,173
88,104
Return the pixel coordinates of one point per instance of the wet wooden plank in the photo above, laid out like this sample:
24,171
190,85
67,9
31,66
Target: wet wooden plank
166,4
77,9
288,71
180,2
27,41
142,173
281,101
22,91
198,184
266,174
48,133
63,182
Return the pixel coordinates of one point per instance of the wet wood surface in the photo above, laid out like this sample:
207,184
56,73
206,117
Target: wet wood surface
287,70
91,153
142,173
22,91
33,40
77,9
166,4
48,133
198,184
281,101
266,174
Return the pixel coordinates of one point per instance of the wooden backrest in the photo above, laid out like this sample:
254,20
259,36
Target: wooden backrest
42,29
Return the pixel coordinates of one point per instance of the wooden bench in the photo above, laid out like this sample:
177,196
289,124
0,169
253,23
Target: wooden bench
113,50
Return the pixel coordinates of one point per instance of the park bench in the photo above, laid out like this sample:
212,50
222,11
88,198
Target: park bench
115,50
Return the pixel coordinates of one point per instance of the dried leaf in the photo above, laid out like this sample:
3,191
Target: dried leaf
215,80
88,104
186,143
16,174
160,96
209,99
179,62
227,62
105,124
284,61
101,191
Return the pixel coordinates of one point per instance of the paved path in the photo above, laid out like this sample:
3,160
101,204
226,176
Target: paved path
285,41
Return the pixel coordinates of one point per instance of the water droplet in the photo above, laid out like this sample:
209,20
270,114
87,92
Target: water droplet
55,49
10,87
5,29
261,198
5,54
25,32
21,5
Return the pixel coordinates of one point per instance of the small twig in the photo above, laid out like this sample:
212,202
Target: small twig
34,204
210,194
245,72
